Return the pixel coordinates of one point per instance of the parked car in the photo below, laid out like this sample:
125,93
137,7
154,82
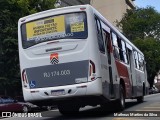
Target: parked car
8,104
153,90
32,107
28,107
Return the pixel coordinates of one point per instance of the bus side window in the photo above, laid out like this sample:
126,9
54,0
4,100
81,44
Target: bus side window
136,59
141,62
124,52
107,44
100,37
115,46
106,39
120,49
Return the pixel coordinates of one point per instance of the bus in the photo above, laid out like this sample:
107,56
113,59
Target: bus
73,57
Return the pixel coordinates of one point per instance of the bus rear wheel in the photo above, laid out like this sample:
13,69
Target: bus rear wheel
68,109
120,103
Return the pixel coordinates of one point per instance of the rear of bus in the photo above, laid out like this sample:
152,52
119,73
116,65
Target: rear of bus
55,59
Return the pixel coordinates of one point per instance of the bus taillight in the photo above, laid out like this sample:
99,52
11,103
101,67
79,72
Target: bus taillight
92,66
92,70
24,77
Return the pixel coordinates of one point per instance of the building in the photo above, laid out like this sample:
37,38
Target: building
113,10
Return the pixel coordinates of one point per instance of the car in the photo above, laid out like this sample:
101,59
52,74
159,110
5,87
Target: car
28,107
31,107
153,90
8,104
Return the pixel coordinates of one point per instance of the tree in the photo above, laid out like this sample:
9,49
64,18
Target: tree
11,11
141,23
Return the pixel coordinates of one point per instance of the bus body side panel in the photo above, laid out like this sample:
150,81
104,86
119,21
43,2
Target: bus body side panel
108,86
135,79
138,77
140,80
123,71
113,78
94,86
116,79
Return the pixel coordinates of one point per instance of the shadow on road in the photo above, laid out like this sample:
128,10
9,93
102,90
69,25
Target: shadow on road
97,112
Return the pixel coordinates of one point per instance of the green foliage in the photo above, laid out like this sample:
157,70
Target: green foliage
11,11
141,23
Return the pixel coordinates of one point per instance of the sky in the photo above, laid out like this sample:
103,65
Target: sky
145,3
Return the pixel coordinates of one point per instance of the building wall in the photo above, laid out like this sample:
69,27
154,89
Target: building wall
113,10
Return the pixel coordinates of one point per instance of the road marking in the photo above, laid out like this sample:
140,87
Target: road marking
148,110
151,107
55,110
157,107
127,119
120,119
152,95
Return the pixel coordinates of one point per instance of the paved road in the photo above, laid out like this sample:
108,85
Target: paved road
150,108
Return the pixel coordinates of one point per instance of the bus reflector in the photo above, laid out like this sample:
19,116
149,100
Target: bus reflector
34,91
83,86
82,8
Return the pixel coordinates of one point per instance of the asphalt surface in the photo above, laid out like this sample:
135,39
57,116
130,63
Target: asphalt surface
148,110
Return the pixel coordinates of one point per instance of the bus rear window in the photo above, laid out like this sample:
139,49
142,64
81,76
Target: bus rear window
67,26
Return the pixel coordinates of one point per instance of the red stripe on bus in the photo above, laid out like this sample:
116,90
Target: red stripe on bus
123,73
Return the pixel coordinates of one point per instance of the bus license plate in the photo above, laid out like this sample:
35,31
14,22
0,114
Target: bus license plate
57,92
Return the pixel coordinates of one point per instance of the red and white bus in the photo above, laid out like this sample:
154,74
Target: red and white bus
73,57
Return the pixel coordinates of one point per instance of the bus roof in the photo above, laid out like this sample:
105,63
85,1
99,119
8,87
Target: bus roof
63,10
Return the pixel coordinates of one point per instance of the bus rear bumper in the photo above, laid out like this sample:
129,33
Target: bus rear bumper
93,88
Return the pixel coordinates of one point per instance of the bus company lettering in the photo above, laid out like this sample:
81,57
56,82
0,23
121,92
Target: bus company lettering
50,37
56,73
